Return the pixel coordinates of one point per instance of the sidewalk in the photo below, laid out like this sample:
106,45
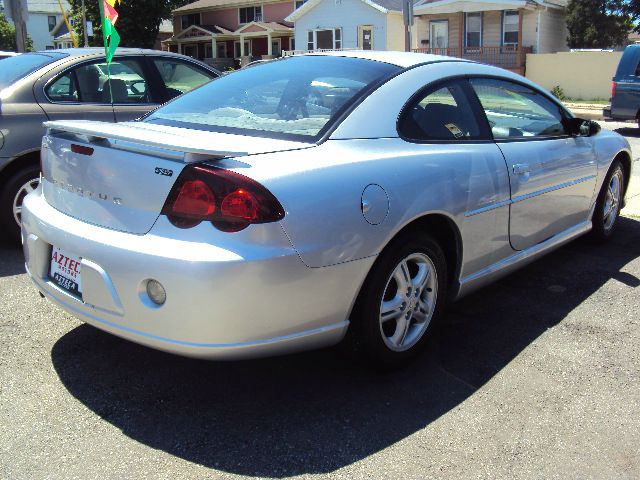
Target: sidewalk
586,111
632,209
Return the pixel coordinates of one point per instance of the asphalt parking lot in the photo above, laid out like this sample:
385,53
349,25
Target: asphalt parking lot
537,376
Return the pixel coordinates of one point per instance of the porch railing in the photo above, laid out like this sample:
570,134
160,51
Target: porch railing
287,53
505,56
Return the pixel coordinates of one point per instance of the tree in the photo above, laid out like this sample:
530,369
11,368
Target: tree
8,36
631,8
138,21
597,24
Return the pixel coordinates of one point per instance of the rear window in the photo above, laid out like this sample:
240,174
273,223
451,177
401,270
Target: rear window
297,97
15,68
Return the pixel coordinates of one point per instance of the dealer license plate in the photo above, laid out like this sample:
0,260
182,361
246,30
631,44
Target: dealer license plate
65,271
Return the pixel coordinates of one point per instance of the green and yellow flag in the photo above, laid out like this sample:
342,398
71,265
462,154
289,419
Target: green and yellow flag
109,32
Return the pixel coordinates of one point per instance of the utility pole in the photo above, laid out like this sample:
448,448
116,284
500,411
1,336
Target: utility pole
407,14
84,26
17,11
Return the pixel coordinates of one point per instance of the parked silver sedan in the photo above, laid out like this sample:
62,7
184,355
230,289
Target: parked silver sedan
73,83
314,199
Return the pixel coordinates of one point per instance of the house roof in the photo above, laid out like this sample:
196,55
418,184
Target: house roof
383,6
453,6
47,6
253,27
204,4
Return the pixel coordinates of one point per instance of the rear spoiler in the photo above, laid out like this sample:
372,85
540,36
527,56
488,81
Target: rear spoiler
137,137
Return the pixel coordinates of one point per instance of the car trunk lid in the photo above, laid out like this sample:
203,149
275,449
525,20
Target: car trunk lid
118,176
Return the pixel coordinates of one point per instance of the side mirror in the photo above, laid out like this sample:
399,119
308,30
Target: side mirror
583,128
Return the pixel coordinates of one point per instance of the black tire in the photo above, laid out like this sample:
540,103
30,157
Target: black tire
367,334
604,225
10,189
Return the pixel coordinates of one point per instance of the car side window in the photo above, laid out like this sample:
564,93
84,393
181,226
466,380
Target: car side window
89,83
441,112
517,111
64,89
179,77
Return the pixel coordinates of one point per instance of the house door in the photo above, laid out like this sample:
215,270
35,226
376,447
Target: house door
439,34
365,40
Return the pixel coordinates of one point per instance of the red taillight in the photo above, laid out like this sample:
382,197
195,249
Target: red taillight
613,90
240,204
228,200
81,149
194,199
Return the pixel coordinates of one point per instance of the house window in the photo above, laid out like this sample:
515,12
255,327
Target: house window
330,39
473,30
191,19
250,14
510,27
51,19
299,3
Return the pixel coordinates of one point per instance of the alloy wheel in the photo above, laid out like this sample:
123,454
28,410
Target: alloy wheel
612,200
408,302
23,191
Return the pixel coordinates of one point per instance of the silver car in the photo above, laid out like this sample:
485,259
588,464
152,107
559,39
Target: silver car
313,200
72,83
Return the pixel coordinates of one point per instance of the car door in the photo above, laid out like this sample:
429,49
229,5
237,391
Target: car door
552,173
461,166
176,76
73,93
133,92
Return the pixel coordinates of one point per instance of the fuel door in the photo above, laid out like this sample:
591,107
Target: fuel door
374,204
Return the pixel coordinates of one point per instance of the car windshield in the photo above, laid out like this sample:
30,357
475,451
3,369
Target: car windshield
297,97
14,68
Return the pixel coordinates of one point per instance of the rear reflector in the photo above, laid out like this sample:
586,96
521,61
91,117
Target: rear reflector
81,149
228,200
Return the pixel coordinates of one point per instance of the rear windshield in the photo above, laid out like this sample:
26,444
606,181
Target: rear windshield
14,68
297,97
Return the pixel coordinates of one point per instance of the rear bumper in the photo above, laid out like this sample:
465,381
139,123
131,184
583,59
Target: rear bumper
256,299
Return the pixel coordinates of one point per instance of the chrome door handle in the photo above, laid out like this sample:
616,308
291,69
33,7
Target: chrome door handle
521,168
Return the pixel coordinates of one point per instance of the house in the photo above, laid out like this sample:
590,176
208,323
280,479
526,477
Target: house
165,31
61,36
44,16
348,24
498,32
226,32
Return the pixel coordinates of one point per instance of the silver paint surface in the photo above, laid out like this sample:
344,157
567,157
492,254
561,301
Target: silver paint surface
300,276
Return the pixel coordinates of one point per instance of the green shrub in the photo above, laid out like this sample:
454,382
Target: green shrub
558,93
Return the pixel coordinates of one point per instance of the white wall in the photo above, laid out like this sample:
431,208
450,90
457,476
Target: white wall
395,33
38,30
553,30
345,14
581,75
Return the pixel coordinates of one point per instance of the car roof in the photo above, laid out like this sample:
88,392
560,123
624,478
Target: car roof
99,51
401,59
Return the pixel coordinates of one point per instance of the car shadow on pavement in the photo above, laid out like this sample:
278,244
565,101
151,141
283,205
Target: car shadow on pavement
317,412
11,259
628,131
